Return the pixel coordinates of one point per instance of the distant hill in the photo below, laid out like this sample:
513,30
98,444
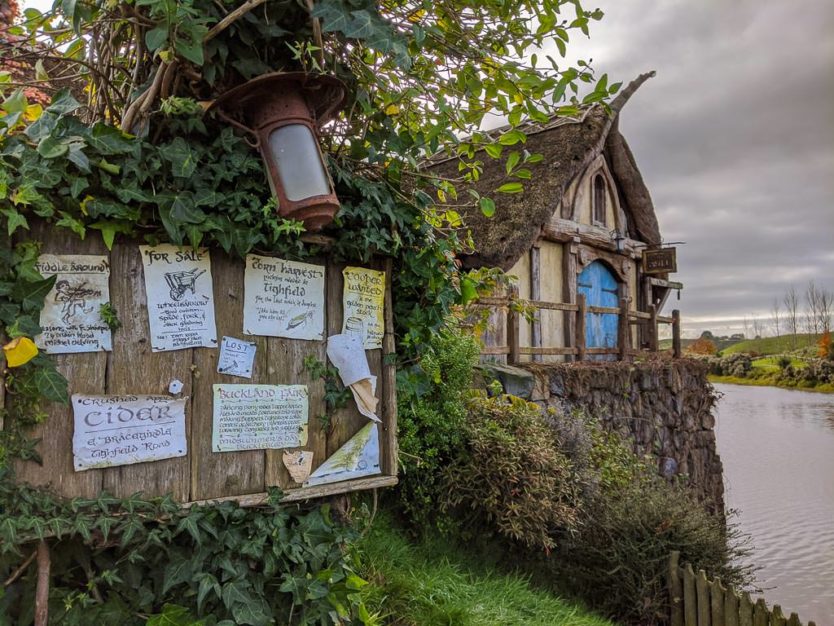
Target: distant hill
774,345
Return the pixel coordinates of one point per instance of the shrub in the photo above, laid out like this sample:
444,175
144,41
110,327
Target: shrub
702,346
825,347
512,476
783,362
432,411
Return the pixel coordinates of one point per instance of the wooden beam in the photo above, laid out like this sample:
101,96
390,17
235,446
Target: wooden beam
652,331
579,336
609,310
513,332
569,292
550,306
623,331
561,230
548,351
390,457
536,295
676,334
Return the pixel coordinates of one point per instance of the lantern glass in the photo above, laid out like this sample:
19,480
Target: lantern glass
296,155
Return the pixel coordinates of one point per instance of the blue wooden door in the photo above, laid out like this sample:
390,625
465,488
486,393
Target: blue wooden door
600,288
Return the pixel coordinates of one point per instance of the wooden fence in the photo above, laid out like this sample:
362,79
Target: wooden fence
697,601
577,349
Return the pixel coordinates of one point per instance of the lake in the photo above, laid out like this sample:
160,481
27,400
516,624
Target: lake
777,446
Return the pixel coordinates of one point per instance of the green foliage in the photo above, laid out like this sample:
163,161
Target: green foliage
110,316
431,405
115,561
511,474
438,582
336,395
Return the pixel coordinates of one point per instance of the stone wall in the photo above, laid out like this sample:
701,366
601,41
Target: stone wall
664,407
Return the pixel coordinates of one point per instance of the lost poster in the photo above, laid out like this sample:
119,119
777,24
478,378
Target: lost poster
283,298
121,430
71,317
364,299
256,417
180,299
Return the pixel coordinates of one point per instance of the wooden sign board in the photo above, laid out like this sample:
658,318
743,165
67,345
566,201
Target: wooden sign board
660,261
134,368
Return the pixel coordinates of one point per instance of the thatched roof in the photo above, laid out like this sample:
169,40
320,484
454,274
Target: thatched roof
568,146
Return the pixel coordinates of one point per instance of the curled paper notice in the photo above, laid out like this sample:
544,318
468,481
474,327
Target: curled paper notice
298,464
345,351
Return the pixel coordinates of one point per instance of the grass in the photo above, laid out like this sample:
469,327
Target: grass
770,381
770,364
437,583
773,345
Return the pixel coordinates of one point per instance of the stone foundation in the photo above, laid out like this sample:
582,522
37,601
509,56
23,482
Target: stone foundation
664,407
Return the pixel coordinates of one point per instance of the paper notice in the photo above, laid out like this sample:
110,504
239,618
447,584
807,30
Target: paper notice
298,464
70,318
364,394
236,357
121,430
357,458
364,298
256,417
283,298
345,351
180,297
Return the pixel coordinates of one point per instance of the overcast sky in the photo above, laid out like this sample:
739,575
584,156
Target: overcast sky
735,138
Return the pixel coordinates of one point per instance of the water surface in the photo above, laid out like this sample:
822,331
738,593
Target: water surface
777,446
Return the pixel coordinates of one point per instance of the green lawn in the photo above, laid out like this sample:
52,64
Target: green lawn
773,345
437,583
770,364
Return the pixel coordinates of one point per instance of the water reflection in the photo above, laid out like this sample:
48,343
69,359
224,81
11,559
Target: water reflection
778,452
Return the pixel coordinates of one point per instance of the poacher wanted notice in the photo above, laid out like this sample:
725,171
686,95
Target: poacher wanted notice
180,297
71,318
283,298
121,430
256,417
364,299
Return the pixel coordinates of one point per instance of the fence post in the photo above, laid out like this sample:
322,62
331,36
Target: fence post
676,334
717,592
760,613
675,590
512,329
654,346
702,591
623,331
580,327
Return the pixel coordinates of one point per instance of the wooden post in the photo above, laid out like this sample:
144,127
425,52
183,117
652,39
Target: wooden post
579,338
513,331
569,294
536,294
702,591
654,344
745,613
690,598
42,587
731,606
676,334
623,331
675,590
777,618
760,616
717,592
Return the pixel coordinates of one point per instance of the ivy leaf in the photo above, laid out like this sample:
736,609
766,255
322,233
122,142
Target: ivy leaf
31,294
333,15
174,615
511,188
63,103
110,229
190,50
176,573
14,220
156,37
235,592
51,384
181,157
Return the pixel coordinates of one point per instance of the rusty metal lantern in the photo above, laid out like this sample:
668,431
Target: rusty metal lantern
283,112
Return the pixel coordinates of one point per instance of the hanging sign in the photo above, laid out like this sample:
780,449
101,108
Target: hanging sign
660,261
283,298
121,430
364,299
255,417
71,318
180,298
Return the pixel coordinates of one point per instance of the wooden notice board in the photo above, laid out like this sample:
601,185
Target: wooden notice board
133,368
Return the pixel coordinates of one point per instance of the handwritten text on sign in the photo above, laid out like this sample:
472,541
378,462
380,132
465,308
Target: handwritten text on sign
256,417
283,298
180,297
120,430
71,317
364,296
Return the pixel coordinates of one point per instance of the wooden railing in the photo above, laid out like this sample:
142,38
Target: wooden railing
697,601
579,350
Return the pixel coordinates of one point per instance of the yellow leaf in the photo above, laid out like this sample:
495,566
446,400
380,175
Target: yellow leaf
20,351
392,109
33,112
84,202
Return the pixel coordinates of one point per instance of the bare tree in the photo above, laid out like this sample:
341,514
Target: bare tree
791,302
825,303
775,316
812,315
746,323
758,326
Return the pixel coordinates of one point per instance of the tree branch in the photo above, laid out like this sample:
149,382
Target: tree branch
232,17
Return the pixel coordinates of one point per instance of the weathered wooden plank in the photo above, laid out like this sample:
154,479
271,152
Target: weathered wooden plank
794,620
495,351
716,594
547,351
389,381
702,591
777,618
731,608
133,368
760,613
536,294
579,337
623,331
745,612
690,597
85,372
513,332
675,583
652,333
676,333
602,350
550,306
639,315
611,310
286,367
569,294
216,474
